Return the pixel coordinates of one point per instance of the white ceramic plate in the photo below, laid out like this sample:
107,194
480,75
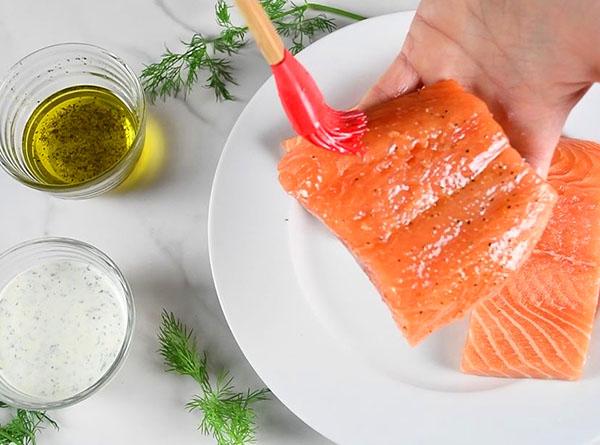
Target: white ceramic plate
315,329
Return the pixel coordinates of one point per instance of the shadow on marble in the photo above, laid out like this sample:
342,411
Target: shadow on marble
277,423
152,160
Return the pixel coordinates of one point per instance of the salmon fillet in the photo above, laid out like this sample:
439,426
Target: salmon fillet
438,210
540,324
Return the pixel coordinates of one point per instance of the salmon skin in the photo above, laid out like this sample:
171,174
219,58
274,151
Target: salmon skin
540,324
438,209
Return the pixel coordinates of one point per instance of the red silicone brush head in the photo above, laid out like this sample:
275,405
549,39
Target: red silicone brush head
310,116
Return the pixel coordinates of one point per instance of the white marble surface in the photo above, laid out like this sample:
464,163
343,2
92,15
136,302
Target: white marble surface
157,234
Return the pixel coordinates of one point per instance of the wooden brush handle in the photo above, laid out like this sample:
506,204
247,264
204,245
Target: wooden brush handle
260,25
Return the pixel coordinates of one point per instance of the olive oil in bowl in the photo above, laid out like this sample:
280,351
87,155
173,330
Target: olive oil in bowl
77,135
72,121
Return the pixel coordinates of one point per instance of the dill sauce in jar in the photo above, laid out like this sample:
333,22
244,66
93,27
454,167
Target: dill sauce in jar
66,318
72,121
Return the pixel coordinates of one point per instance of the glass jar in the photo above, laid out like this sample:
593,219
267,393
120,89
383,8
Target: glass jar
37,252
47,71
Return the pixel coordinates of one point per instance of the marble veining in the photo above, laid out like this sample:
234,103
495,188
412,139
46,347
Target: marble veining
167,11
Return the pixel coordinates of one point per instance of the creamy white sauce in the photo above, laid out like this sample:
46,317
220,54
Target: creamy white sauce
62,324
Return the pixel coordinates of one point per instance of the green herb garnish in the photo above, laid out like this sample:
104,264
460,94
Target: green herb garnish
23,427
212,56
226,415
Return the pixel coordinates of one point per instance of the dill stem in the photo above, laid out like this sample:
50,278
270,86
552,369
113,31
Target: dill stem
310,7
336,11
320,8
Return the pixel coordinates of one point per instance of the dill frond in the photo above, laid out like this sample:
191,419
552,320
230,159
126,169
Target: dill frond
209,60
23,428
227,415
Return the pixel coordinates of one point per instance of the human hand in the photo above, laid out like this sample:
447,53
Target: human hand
530,61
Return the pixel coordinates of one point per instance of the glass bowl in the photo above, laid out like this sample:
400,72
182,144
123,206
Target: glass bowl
47,71
36,252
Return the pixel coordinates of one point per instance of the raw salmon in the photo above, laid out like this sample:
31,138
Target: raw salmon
438,210
540,324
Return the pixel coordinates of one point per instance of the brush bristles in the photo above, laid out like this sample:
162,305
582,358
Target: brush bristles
341,131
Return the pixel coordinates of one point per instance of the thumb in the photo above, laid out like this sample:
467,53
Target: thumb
534,133
400,78
537,150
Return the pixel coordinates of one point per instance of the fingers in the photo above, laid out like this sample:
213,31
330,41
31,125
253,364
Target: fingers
534,129
537,150
400,78
534,132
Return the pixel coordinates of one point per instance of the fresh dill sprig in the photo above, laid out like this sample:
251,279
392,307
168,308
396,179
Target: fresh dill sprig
227,415
301,29
23,427
209,59
178,72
